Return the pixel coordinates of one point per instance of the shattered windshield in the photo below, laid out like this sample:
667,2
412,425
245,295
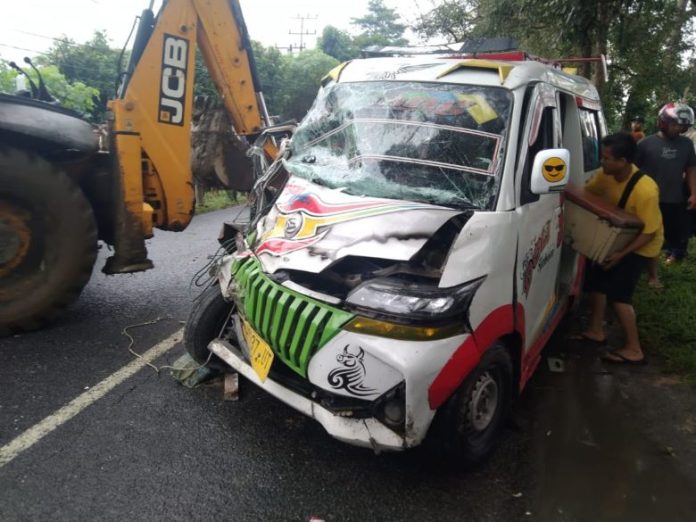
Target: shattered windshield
437,143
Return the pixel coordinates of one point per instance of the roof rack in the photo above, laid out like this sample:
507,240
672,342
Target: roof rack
499,48
472,46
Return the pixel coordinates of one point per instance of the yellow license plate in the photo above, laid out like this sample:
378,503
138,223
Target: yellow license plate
260,353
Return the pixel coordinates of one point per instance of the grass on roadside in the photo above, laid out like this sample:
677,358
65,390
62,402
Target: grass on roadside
667,318
217,199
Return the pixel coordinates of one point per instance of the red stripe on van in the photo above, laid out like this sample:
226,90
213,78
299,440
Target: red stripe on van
533,355
498,323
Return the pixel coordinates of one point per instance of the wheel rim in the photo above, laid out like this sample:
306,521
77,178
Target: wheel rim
484,402
15,236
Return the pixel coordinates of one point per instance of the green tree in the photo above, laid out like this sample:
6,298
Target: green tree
72,95
453,20
203,84
270,67
646,49
301,79
380,26
7,78
93,63
644,40
338,44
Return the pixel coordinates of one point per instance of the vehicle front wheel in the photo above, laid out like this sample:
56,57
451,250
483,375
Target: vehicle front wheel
469,424
205,323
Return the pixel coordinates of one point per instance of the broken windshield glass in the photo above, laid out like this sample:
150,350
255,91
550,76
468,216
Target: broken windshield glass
438,143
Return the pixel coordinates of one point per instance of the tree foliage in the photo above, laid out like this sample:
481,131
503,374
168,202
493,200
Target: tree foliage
270,66
380,26
203,84
644,41
7,78
72,95
450,19
301,79
93,63
338,44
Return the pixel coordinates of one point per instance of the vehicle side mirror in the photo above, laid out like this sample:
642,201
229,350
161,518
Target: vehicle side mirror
550,171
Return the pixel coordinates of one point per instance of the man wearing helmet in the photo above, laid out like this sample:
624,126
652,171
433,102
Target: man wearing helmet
670,160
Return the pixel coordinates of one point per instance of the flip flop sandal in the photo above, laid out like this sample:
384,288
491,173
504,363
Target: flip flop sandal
617,358
584,339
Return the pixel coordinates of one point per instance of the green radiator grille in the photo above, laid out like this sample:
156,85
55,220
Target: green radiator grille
295,326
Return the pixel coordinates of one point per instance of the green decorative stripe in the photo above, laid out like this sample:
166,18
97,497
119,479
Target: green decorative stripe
295,326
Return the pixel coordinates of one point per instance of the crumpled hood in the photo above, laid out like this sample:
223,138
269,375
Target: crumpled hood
310,227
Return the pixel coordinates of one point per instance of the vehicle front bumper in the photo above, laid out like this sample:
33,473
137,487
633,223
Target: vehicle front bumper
369,432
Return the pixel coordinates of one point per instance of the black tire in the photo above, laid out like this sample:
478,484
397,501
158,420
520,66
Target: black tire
205,322
461,433
44,212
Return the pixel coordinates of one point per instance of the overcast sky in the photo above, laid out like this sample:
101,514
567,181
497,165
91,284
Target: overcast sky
29,26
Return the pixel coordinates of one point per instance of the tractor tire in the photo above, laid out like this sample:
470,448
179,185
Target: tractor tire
48,241
206,320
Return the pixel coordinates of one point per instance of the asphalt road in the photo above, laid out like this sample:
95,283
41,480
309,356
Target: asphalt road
150,449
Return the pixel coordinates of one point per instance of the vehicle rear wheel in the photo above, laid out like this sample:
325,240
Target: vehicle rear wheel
205,323
468,426
48,241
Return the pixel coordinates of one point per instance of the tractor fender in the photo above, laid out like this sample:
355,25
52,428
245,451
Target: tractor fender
44,127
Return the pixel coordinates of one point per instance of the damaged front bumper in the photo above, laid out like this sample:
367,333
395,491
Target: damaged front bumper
367,386
365,432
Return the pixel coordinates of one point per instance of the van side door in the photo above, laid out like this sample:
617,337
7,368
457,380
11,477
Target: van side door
539,226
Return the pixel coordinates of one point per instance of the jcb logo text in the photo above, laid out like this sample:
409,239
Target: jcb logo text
173,84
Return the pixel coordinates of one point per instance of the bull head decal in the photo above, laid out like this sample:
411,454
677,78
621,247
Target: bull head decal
351,374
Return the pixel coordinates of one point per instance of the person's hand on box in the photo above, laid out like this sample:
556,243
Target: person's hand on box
691,202
612,260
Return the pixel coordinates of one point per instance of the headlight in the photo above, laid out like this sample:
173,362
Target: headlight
413,302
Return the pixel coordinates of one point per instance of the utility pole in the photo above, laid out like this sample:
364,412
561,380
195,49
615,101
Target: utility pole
302,32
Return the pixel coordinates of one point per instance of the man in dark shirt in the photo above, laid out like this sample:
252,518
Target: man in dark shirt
670,160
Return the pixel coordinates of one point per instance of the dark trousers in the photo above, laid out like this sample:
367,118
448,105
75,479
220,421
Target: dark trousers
677,223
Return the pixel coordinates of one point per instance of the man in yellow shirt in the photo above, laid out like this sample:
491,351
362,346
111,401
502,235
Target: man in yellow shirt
615,279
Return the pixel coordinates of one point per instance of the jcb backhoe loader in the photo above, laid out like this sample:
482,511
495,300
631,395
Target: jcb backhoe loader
60,191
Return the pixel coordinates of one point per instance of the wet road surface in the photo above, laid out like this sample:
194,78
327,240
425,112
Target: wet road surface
150,449
594,457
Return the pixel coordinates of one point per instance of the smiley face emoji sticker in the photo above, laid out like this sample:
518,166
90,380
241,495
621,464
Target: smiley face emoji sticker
554,170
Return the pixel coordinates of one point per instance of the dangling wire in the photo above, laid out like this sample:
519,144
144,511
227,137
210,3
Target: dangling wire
157,369
205,276
264,173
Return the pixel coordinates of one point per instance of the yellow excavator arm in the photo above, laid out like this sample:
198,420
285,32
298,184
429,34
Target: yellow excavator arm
150,125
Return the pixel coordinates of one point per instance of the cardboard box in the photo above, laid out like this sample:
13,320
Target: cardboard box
596,228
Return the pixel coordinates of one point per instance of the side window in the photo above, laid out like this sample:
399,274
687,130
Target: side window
590,129
544,140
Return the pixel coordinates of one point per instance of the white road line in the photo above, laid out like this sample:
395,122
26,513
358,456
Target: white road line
37,432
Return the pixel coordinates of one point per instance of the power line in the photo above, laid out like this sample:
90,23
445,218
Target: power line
80,66
55,39
66,41
22,49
